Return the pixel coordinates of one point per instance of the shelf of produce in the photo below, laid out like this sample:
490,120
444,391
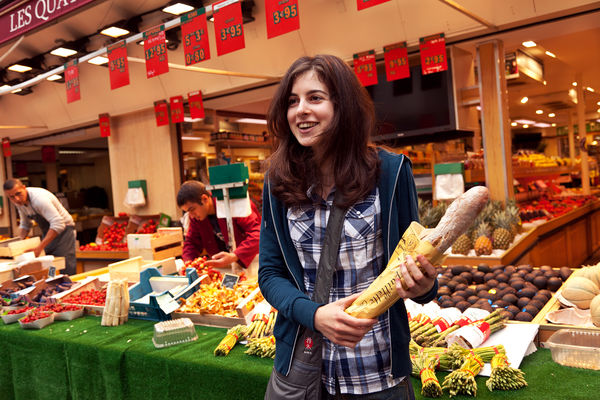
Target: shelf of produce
478,174
577,231
87,260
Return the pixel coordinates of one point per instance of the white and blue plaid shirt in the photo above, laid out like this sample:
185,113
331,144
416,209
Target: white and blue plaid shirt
367,367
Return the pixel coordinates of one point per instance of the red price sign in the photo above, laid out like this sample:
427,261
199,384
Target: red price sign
195,103
396,61
104,122
176,109
282,17
161,112
365,68
48,154
118,67
6,147
229,28
72,81
155,52
433,54
362,4
194,34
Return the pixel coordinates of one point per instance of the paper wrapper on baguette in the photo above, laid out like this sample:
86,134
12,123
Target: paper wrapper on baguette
432,243
382,294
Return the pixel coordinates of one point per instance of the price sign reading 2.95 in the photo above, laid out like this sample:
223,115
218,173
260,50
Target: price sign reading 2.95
232,31
288,12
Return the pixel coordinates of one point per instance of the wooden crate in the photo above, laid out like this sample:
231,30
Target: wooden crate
130,269
156,247
14,247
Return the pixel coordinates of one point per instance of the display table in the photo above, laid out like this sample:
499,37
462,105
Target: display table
82,360
89,260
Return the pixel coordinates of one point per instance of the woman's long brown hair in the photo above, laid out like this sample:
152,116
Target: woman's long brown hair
346,143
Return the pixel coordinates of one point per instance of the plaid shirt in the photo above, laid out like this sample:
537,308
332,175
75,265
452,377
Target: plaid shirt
367,367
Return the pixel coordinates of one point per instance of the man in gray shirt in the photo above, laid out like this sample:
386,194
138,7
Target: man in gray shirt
54,220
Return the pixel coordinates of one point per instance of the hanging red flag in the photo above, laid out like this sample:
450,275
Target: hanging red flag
72,81
362,4
229,27
176,109
48,154
161,112
118,67
104,122
6,147
282,17
365,68
396,61
155,52
195,103
433,54
194,34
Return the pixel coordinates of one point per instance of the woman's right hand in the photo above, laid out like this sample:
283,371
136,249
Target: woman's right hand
338,326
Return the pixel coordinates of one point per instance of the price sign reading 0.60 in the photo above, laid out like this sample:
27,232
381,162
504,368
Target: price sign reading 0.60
195,56
117,64
156,51
231,32
288,12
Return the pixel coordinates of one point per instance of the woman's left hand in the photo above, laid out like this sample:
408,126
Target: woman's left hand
418,281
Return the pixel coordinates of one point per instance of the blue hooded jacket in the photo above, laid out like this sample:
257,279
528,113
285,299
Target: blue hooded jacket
280,273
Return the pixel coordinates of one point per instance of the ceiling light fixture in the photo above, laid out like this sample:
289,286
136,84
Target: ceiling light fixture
550,54
574,83
191,138
545,83
554,124
16,91
552,115
54,77
114,31
529,43
251,121
98,60
525,99
177,8
524,121
589,89
513,124
19,68
525,126
63,52
539,111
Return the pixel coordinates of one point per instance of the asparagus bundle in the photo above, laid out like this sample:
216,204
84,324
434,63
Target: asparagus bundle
462,381
233,336
425,365
496,321
262,347
261,325
504,377
458,353
116,308
440,354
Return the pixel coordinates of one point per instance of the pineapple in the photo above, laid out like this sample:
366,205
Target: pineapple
483,244
462,245
512,211
502,236
431,217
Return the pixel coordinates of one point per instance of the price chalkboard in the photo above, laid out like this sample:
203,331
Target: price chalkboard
229,280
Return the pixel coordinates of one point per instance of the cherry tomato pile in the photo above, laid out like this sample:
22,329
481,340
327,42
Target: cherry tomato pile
148,227
34,316
58,308
20,310
90,297
113,238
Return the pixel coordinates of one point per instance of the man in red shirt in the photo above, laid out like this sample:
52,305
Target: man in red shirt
207,232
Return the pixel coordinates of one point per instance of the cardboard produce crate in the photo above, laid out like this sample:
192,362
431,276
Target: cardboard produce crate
91,282
167,242
15,246
130,269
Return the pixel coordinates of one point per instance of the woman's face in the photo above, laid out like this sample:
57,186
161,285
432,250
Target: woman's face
310,110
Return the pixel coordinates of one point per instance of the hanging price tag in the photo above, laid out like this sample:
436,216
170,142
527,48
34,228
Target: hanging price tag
6,147
194,34
433,54
362,4
118,67
155,52
365,68
72,81
161,112
176,109
104,122
229,28
48,154
195,103
396,61
282,17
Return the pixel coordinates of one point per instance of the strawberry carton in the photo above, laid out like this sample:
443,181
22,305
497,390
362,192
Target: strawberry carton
36,319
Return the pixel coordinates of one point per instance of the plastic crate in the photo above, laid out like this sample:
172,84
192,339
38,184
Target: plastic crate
161,301
575,348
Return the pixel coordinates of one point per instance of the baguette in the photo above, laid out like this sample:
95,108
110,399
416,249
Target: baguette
381,293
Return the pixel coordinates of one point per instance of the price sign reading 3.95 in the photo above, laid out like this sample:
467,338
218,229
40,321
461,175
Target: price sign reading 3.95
282,17
229,31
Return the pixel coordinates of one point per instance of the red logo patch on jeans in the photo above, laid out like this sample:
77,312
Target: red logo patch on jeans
308,343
